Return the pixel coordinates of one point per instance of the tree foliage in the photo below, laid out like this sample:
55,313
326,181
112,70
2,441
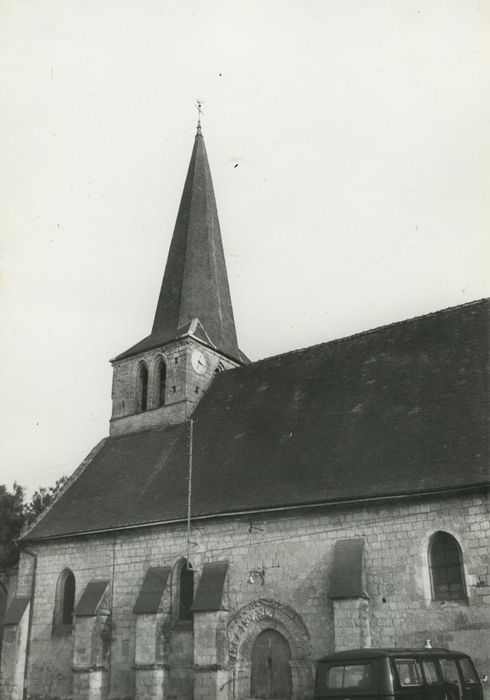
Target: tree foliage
11,523
41,499
15,514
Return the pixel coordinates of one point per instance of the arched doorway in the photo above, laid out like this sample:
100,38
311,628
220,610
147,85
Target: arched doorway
267,629
271,670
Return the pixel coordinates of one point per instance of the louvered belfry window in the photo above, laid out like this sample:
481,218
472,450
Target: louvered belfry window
143,387
162,377
446,568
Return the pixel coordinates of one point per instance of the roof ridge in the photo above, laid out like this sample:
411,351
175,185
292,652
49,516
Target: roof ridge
366,332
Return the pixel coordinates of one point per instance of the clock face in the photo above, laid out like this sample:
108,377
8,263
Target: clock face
198,362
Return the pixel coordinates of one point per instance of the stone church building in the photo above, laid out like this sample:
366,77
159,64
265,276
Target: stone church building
244,518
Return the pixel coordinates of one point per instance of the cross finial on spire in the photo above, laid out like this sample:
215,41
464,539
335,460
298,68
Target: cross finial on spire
199,105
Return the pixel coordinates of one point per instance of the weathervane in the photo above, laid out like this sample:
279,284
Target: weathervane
199,105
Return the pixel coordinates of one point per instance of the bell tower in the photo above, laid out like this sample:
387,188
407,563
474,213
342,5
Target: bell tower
159,380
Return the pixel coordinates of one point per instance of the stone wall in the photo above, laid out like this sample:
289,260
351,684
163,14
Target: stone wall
295,550
184,387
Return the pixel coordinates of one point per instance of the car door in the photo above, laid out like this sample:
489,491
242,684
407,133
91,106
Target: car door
434,685
470,680
452,680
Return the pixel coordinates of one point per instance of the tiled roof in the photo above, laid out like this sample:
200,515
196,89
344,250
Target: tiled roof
195,283
402,409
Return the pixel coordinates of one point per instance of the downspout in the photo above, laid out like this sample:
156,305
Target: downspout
109,670
29,625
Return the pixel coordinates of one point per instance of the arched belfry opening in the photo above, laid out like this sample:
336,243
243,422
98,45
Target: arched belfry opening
142,388
161,381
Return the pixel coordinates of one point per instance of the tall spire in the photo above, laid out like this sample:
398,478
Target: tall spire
195,283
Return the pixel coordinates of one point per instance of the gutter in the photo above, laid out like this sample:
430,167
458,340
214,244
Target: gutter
29,626
277,509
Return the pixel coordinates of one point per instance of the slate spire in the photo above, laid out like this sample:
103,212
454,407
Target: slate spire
195,296
195,283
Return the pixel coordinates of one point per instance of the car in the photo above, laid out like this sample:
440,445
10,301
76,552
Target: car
397,674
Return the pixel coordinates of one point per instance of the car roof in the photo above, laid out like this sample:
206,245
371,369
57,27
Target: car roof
389,652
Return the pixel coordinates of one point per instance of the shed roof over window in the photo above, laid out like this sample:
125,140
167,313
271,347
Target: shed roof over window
209,594
152,589
91,598
15,611
346,581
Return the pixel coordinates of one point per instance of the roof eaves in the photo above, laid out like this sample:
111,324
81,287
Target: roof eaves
472,488
158,343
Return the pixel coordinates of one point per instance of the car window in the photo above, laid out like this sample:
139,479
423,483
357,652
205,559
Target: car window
467,671
450,672
408,672
335,677
349,676
430,672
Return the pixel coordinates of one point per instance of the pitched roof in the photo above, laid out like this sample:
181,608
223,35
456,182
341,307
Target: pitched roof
402,409
195,283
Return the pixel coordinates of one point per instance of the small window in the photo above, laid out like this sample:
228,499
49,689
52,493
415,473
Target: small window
64,601
68,599
349,676
446,568
430,672
142,388
186,592
161,381
408,672
468,671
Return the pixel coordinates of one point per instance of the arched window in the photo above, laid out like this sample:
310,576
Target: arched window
446,568
64,600
142,388
186,590
161,381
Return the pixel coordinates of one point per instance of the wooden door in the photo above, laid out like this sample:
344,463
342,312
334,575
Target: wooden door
271,672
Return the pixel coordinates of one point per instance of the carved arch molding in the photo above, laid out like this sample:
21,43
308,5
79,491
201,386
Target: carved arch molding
245,627
261,614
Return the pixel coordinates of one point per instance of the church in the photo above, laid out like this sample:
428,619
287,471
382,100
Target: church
243,519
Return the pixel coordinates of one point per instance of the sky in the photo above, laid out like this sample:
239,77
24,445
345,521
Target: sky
349,145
